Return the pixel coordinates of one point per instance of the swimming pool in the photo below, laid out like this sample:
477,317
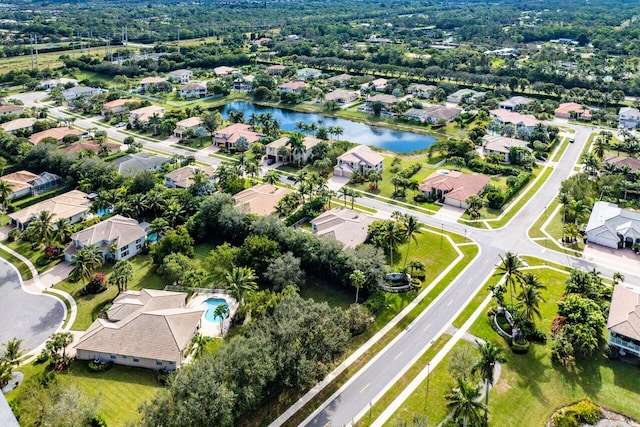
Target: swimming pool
211,304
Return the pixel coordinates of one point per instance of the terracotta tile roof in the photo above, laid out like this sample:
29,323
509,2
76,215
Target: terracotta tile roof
292,85
90,146
57,133
633,163
4,109
260,199
456,185
118,103
345,225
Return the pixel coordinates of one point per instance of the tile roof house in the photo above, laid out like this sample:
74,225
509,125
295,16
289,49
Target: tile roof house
308,73
432,114
56,133
18,124
193,90
24,183
421,90
379,85
116,106
187,124
514,103
612,226
118,238
629,117
78,92
276,70
620,162
528,121
224,71
496,144
623,323
260,199
148,329
182,177
132,164
568,110
244,83
181,76
454,187
341,79
62,81
148,82
292,87
273,148
94,146
345,225
341,96
73,206
143,114
6,110
468,95
228,137
361,159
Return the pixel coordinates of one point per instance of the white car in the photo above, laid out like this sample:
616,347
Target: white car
121,125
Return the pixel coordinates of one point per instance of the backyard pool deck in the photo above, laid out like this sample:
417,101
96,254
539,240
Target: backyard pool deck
209,328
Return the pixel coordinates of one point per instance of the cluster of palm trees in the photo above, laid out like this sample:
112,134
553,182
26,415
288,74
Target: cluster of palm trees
264,123
399,229
574,211
45,230
320,131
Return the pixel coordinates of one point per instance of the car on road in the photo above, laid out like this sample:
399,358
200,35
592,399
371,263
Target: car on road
121,125
291,177
87,134
572,140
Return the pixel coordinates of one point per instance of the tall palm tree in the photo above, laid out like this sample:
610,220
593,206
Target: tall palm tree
221,313
43,227
617,278
392,234
154,122
358,279
599,148
5,192
159,226
271,177
374,177
173,213
490,354
510,266
296,142
411,228
122,275
198,180
240,282
463,400
529,298
338,130
85,261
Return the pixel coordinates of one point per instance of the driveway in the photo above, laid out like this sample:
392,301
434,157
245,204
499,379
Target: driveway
26,316
55,274
623,260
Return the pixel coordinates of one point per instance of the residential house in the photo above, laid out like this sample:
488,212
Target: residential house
515,103
420,90
260,199
345,225
378,85
469,96
223,71
62,81
292,87
341,96
432,114
117,106
6,110
25,183
261,41
93,146
572,110
621,162
520,121
308,73
148,329
75,92
183,177
454,187
186,125
181,76
612,226
243,83
24,124
629,117
623,323
117,238
73,206
132,164
193,90
501,145
148,83
359,159
276,70
387,102
228,137
341,79
273,149
56,133
142,115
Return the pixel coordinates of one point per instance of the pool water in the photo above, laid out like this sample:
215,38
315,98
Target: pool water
211,304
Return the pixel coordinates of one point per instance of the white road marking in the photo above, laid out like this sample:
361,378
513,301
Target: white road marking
364,388
427,327
450,302
399,354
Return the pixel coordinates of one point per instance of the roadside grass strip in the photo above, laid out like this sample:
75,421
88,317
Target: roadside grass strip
23,268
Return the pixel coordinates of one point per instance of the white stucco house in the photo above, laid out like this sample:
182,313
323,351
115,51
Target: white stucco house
629,117
612,226
361,159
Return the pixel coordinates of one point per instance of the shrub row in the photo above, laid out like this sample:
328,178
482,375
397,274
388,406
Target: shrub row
410,170
480,166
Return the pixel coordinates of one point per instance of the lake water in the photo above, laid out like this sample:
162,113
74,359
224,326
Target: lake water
386,139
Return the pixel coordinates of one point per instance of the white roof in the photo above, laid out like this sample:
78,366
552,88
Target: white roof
501,144
345,225
608,220
361,154
118,229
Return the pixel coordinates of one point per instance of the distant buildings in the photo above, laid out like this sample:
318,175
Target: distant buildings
432,114
514,103
117,106
193,90
572,110
341,96
132,164
181,76
142,115
56,133
468,96
496,144
73,93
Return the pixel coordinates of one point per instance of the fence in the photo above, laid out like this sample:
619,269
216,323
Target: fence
175,288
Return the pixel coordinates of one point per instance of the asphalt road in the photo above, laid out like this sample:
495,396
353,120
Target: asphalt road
30,317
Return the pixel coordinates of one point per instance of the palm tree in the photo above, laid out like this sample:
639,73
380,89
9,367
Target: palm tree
358,279
42,227
173,213
344,192
5,192
337,131
154,122
159,226
411,228
198,180
122,275
417,267
200,342
240,282
85,261
271,177
571,231
529,298
296,142
374,177
392,234
599,148
13,352
62,230
490,354
463,399
221,313
510,266
617,278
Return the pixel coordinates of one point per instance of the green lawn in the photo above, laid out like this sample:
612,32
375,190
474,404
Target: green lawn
560,151
555,229
24,249
539,387
318,290
23,268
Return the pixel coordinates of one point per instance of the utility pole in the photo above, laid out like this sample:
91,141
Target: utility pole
31,43
178,38
37,62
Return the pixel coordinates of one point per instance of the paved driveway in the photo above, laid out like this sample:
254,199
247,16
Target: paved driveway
30,317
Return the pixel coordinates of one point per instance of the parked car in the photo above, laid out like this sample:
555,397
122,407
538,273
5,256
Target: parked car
572,140
121,125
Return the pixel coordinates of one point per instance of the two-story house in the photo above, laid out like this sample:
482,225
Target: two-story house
359,159
629,117
228,137
186,125
275,152
181,76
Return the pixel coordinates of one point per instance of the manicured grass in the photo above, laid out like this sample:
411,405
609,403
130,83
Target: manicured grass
320,291
23,269
560,151
539,386
24,249
4,220
403,382
536,228
433,405
555,229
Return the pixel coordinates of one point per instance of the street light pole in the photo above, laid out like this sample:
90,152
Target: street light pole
426,394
